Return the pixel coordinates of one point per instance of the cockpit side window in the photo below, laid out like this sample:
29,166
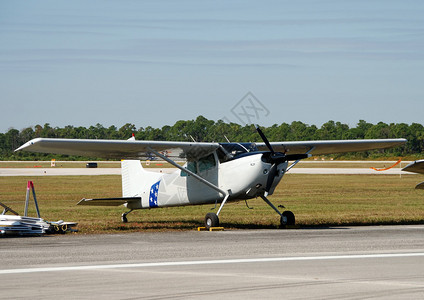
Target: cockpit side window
206,163
191,166
203,164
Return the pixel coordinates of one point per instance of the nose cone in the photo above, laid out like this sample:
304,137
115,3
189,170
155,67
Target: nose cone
274,157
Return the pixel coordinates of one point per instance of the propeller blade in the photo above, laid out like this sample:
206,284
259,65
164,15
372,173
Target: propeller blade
265,139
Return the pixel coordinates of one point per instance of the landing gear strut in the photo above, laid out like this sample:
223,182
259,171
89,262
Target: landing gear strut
124,216
211,219
286,218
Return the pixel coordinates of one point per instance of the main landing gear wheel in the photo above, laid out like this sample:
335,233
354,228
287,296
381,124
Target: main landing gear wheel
211,220
124,218
287,218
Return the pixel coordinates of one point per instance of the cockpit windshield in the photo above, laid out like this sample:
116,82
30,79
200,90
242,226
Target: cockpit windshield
229,151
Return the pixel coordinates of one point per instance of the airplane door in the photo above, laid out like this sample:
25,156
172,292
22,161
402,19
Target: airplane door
207,168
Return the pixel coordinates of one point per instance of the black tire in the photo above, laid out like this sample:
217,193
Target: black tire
289,216
211,220
124,218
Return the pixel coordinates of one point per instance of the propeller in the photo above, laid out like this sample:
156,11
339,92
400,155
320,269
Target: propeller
275,158
267,143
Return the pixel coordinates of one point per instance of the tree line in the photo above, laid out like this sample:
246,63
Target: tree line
204,130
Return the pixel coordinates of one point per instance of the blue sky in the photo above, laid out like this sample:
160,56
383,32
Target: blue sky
152,63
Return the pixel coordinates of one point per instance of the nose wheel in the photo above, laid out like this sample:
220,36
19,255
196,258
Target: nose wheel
287,218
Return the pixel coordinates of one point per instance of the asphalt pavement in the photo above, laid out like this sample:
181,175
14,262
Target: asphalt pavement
383,262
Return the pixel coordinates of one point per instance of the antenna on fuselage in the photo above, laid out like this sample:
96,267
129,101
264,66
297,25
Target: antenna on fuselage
192,138
227,139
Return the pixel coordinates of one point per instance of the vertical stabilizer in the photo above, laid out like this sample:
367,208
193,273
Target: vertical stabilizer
133,178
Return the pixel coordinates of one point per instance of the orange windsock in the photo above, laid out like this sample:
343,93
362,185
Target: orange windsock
384,169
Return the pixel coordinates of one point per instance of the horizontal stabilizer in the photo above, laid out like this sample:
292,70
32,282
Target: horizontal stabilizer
108,201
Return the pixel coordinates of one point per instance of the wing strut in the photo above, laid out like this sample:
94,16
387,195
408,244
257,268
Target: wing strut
202,180
295,163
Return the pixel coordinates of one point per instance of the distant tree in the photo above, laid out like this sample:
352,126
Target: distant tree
38,130
279,132
203,130
12,140
379,131
126,131
3,150
301,132
112,132
360,130
47,131
26,134
328,131
415,136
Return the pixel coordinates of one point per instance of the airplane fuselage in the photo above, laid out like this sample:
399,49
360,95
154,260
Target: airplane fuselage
243,178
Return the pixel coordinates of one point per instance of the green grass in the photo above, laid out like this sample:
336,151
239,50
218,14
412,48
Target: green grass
316,200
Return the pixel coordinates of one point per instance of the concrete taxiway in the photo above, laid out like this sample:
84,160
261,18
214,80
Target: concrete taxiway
384,262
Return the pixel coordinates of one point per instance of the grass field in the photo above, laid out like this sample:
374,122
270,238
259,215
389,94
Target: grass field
316,200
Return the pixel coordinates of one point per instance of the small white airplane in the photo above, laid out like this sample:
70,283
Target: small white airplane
214,172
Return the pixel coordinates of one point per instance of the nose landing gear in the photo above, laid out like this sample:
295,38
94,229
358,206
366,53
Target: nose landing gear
286,218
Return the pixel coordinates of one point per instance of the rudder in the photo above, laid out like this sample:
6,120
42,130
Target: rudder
132,178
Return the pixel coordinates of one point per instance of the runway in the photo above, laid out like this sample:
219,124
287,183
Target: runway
383,262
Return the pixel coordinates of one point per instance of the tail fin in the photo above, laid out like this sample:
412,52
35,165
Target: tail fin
136,180
132,178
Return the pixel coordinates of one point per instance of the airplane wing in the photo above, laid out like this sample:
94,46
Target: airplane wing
107,201
331,146
128,149
131,149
